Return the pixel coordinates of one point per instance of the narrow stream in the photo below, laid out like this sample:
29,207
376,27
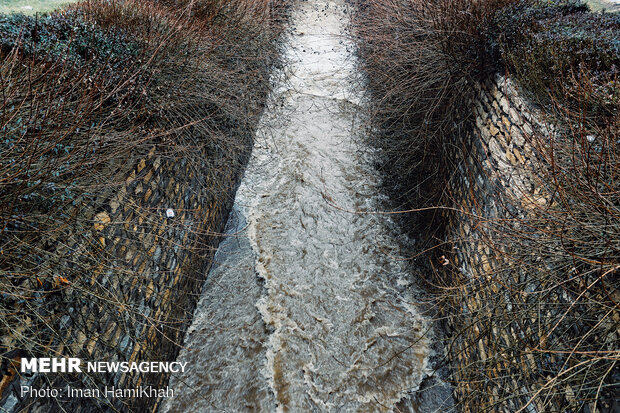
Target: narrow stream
307,308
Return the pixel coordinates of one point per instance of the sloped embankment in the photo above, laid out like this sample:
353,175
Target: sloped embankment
125,129
515,179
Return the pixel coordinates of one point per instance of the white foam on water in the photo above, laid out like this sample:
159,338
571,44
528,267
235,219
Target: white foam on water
332,328
344,339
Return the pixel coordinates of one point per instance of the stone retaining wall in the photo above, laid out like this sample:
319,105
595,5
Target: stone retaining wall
129,277
499,310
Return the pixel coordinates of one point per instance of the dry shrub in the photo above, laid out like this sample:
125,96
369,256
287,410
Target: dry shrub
420,59
558,264
87,94
545,308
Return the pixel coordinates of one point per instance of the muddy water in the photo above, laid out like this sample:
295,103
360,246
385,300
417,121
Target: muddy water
307,308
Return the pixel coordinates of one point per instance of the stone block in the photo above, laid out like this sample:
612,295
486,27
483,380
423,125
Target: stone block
496,107
506,122
503,102
515,117
519,156
510,157
496,150
516,136
141,165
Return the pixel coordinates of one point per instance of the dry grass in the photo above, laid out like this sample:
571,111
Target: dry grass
31,6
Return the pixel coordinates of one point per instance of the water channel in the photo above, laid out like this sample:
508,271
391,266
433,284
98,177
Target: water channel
308,306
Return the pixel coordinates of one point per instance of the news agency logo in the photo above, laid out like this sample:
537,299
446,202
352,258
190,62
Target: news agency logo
51,365
75,365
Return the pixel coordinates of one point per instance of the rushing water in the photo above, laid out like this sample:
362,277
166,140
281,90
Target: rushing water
307,308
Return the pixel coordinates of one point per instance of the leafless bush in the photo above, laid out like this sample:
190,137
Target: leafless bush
536,327
79,115
420,59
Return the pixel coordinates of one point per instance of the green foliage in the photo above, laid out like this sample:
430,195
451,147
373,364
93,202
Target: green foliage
46,123
557,48
67,36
